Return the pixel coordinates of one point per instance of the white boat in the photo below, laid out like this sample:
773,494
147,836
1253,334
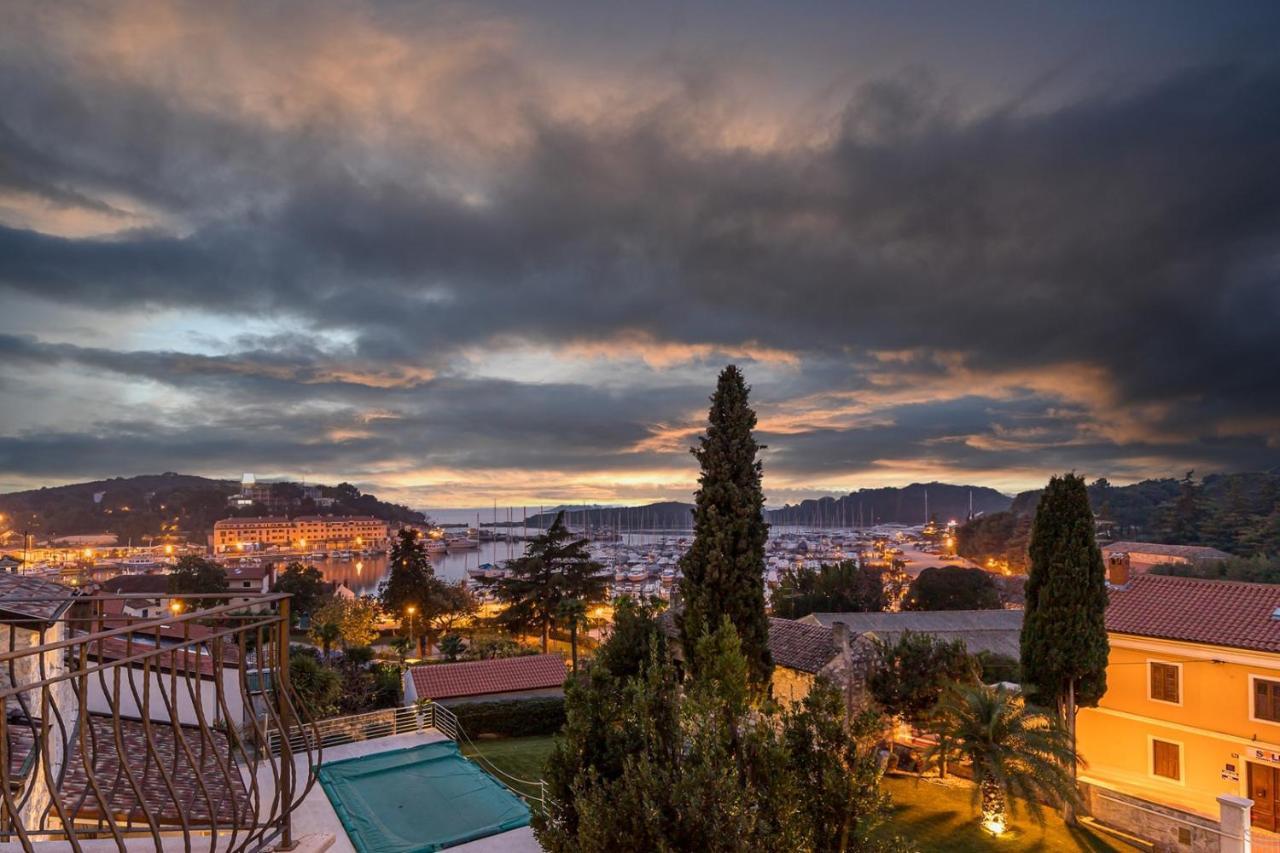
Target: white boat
139,564
492,572
436,546
477,571
461,543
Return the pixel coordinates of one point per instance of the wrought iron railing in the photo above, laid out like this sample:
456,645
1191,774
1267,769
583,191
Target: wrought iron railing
121,727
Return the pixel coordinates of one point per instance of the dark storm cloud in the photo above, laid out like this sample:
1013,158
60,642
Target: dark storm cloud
1123,242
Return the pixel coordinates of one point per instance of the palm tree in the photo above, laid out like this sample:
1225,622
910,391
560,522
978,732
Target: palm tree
573,613
401,646
327,633
1017,753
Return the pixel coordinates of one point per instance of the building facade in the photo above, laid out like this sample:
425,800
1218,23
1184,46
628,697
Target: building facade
1192,708
317,532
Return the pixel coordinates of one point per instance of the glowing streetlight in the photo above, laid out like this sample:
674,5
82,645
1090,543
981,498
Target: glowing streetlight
175,607
168,549
411,610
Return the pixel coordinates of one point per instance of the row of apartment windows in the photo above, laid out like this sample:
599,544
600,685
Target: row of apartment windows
1165,685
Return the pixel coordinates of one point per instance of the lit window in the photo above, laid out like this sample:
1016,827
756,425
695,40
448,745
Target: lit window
1166,759
1164,682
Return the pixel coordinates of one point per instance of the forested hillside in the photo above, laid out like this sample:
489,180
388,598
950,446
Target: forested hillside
152,505
1236,513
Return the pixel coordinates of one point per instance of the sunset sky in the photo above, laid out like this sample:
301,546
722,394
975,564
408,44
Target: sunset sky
458,253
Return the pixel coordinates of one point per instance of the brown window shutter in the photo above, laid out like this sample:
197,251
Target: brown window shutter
1164,759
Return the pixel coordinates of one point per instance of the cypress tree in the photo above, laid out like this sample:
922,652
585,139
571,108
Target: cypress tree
1064,635
722,573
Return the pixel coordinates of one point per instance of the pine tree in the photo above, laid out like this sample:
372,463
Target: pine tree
722,573
1064,635
555,568
411,583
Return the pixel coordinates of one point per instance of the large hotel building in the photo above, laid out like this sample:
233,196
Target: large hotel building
318,532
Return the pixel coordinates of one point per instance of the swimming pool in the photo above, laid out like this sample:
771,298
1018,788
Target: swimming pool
418,799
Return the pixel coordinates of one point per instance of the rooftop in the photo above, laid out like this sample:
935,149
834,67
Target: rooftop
25,599
794,644
481,677
1214,612
1186,552
136,583
800,646
995,631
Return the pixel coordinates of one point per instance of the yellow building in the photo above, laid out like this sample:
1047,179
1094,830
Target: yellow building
1192,708
319,532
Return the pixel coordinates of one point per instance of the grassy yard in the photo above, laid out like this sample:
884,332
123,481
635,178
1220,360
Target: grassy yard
930,816
933,817
521,757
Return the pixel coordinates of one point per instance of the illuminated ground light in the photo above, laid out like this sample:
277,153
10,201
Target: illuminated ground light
994,824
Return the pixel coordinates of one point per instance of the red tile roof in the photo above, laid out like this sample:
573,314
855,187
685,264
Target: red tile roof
1217,613
477,678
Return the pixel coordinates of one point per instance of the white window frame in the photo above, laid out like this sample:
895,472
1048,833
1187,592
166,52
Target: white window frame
1181,685
1253,697
1182,760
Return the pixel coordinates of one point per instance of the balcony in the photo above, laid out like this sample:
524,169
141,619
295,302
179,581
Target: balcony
147,733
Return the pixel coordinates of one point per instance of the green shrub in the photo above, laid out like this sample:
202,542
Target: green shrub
543,715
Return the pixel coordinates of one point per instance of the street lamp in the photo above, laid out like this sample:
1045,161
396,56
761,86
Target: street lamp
411,610
175,607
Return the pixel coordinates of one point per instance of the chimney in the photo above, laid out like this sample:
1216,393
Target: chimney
1118,569
840,634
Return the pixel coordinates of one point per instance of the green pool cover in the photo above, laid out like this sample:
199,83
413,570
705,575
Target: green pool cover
423,798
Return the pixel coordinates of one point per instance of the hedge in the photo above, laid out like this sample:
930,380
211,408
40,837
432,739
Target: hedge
542,715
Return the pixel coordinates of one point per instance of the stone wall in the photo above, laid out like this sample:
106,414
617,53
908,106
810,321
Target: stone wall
791,685
1169,829
62,699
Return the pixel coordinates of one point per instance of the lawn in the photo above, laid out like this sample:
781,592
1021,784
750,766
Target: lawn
521,757
931,817
934,817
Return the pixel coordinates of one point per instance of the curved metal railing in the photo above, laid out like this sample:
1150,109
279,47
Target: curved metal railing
122,727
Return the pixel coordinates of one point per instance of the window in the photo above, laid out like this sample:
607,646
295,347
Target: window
1164,682
1266,700
1165,759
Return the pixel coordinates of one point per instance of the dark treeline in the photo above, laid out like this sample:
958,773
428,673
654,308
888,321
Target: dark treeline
1236,513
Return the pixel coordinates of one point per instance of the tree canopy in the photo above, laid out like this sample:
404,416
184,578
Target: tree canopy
194,575
912,672
952,588
843,587
305,584
555,567
722,573
646,765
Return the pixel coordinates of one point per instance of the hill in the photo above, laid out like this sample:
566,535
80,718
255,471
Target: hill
665,515
893,505
904,505
155,505
1236,513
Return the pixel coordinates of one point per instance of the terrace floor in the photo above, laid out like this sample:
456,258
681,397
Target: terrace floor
316,814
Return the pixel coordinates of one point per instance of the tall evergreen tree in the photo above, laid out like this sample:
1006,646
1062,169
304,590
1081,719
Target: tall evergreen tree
555,567
722,573
1064,636
412,582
